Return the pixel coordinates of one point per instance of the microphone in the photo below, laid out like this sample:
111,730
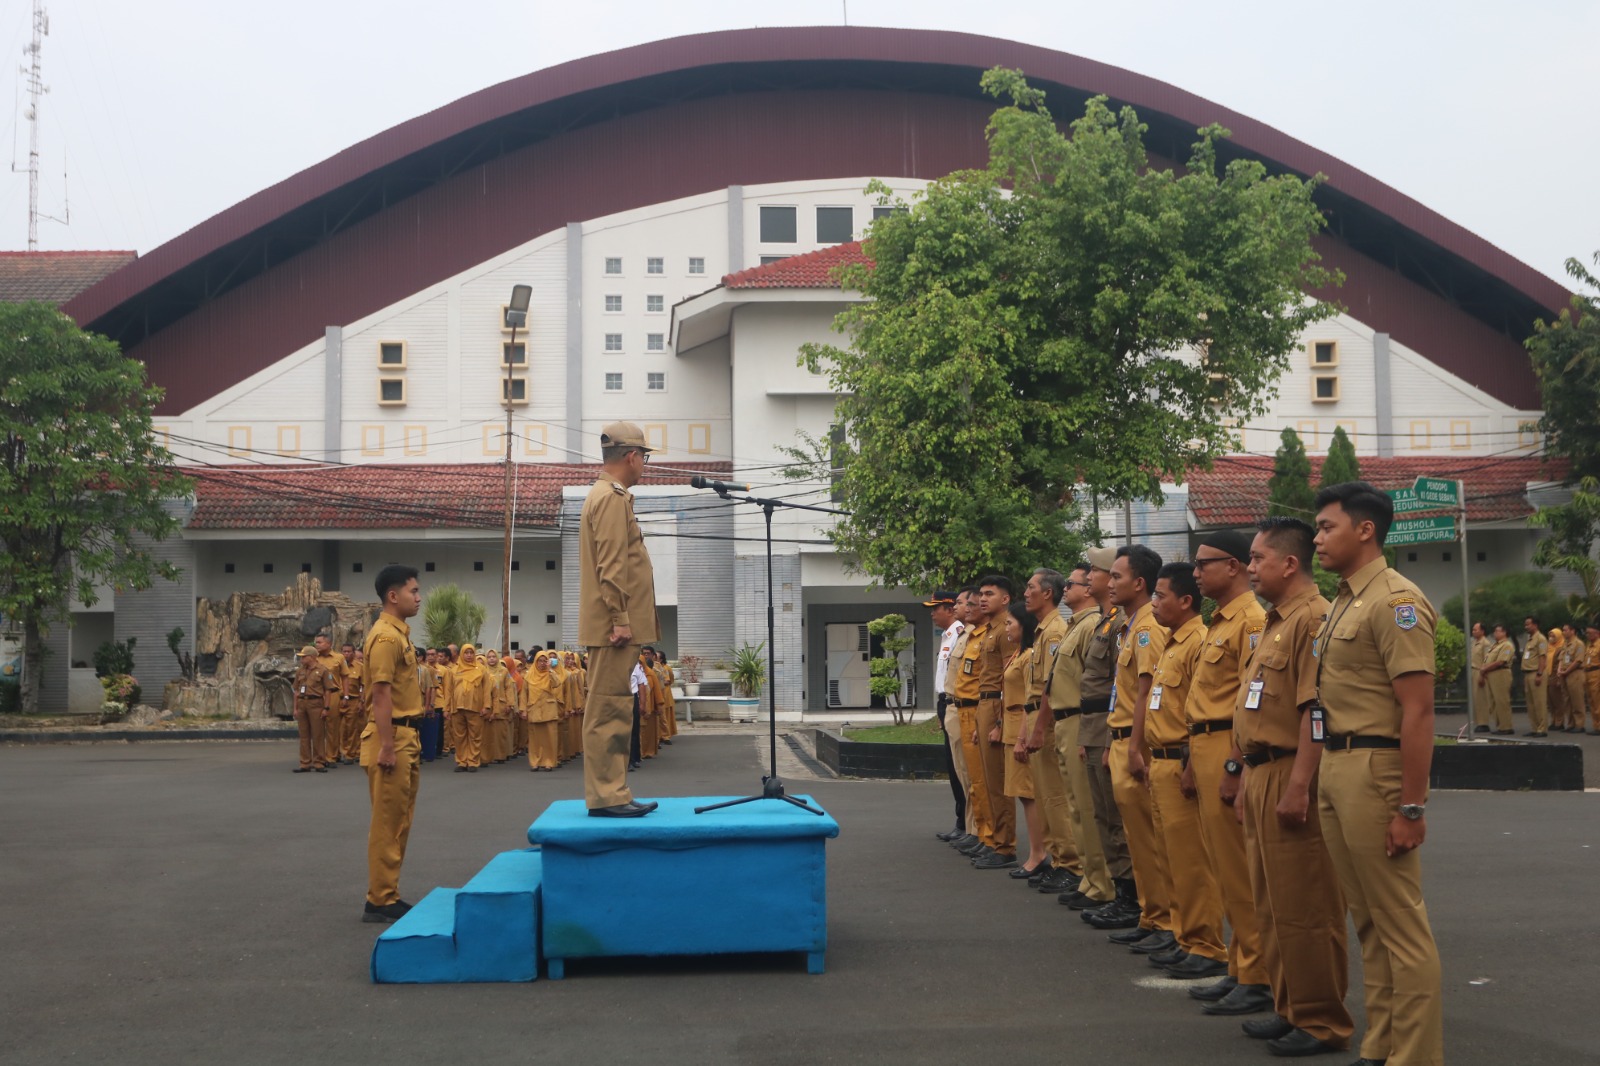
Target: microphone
719,487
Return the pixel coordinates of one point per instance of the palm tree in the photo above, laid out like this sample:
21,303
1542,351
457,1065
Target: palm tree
451,616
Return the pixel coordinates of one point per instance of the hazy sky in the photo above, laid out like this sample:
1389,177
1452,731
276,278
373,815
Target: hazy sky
169,111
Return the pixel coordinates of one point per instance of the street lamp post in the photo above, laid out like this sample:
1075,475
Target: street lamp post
516,316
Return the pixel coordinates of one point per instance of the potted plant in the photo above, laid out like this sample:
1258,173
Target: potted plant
690,665
747,674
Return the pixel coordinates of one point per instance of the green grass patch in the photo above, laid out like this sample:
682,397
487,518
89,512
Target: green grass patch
924,731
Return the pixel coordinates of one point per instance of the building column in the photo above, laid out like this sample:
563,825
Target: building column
750,620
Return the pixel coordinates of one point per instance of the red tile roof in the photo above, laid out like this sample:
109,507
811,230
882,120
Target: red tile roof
55,277
813,270
466,496
1234,491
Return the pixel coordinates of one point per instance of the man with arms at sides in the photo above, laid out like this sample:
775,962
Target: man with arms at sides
1272,784
1376,690
995,649
1534,687
390,749
942,607
1478,645
1093,755
617,605
1571,675
967,662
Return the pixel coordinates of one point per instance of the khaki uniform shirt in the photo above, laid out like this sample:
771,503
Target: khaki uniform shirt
1065,673
1380,627
389,657
970,646
1235,629
334,664
1285,666
1047,641
1534,653
312,685
616,584
1099,680
1592,659
539,700
1479,652
471,692
1503,652
996,649
1572,651
444,683
1138,651
1165,721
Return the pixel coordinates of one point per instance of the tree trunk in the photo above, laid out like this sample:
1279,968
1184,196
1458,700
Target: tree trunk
32,662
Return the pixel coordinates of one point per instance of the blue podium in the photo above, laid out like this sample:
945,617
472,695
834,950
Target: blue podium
751,878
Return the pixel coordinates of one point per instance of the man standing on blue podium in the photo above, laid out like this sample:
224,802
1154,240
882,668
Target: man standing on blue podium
617,614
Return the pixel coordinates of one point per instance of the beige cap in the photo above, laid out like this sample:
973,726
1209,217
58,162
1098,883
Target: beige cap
623,435
1101,558
308,650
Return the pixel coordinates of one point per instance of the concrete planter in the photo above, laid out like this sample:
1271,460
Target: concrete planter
744,708
854,758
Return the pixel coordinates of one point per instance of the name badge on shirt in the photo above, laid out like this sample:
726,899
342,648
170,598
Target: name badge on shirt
302,690
1155,698
1319,730
1252,699
966,666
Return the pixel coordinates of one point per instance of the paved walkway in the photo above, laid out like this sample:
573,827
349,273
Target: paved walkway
196,903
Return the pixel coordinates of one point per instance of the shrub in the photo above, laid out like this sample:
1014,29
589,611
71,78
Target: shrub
114,657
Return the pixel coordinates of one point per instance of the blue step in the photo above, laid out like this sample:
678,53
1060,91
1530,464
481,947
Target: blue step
488,930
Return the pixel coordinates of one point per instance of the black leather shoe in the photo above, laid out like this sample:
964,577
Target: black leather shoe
1037,875
1245,999
1113,916
1213,993
648,805
301,770
1079,902
389,912
320,769
1267,1028
1155,944
1481,729
950,835
1298,1044
621,810
965,840
1033,877
1132,936
1197,966
1171,957
1540,733
995,860
1054,882
1070,882
980,852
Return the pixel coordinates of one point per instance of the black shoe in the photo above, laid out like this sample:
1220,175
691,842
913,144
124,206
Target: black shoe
1170,957
461,769
965,840
472,769
1114,915
951,835
1070,882
1052,882
389,912
320,769
620,810
1155,945
975,849
1080,902
1267,1028
1297,1044
648,805
1369,1062
1037,875
995,860
1022,873
301,770
635,766
1196,967
1533,733
1213,993
1244,999
1132,936
1481,729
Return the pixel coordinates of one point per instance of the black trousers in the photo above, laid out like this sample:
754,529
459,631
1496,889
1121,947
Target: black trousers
956,790
633,743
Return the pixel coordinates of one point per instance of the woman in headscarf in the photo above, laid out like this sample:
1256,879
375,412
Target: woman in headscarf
470,703
558,684
576,686
539,701
1558,692
518,668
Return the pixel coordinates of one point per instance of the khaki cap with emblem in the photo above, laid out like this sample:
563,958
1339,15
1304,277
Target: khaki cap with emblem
623,435
1101,558
308,650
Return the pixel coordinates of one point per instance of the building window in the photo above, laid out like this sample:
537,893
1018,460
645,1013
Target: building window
516,645
391,392
1483,557
835,225
697,264
655,265
1324,354
516,564
655,304
1421,436
513,354
227,568
885,212
778,225
392,355
518,390
768,260
355,568
1527,435
266,568
1460,434
613,265
655,381
655,342
1217,388
613,342
1325,388
305,568
549,564
613,382
613,303
427,568
549,619
516,619
477,567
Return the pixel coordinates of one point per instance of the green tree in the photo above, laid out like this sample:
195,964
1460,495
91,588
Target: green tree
1289,489
1449,653
886,683
1573,528
1510,598
1341,464
83,479
1030,329
452,616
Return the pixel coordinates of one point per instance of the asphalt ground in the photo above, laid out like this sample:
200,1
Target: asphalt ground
196,903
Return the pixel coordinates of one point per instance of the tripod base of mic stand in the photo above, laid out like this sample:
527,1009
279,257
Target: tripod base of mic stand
771,789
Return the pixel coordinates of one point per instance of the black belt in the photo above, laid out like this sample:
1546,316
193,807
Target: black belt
1261,758
1201,728
1032,705
1096,705
1121,732
989,695
966,703
1067,713
1169,753
1345,743
406,721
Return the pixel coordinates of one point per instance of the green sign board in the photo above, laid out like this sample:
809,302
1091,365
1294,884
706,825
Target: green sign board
1422,530
1427,494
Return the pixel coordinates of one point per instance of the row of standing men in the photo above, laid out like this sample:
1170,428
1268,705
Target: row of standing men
1560,677
1269,770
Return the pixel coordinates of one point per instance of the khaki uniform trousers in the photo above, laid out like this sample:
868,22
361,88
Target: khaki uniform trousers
977,791
394,800
309,721
1499,701
1050,793
1223,838
1536,690
1592,692
563,740
355,720
574,730
1577,698
1358,796
544,745
469,746
1147,858
333,731
455,727
1196,901
952,730
1002,808
1299,909
650,735
1107,818
519,742
608,726
1096,876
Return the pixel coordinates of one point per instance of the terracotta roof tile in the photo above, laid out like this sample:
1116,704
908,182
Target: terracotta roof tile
466,496
1234,492
813,270
55,277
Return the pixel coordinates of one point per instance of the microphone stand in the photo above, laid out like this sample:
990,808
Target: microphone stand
771,784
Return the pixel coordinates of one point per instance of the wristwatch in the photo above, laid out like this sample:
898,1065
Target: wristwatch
1411,811
1233,768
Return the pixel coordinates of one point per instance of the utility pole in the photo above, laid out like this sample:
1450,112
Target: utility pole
516,315
36,89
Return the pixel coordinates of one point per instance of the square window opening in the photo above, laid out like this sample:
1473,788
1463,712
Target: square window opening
392,355
655,342
549,564
835,225
655,265
427,568
613,303
391,391
655,305
477,567
697,264
778,225
613,264
355,568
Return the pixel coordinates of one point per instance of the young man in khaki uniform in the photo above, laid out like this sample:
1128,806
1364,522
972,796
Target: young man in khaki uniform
1478,646
1097,689
966,614
617,614
354,716
1535,685
995,648
333,726
1375,654
1497,664
390,748
1591,663
1570,670
1221,569
1042,597
1299,907
311,685
967,661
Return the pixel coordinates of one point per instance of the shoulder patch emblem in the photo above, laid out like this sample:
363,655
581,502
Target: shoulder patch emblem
1144,638
1405,616
1399,601
1255,638
1054,647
